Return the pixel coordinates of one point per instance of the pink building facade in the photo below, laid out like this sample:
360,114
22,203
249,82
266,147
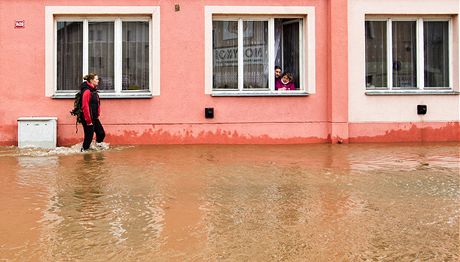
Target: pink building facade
364,70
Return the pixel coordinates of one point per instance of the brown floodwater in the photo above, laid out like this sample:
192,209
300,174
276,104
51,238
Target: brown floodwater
358,202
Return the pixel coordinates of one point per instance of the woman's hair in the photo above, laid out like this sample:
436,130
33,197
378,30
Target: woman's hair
89,76
288,75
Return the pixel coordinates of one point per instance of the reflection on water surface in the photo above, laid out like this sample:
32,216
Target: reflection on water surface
397,202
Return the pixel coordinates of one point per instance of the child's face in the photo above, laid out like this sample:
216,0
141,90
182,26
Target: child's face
277,73
285,79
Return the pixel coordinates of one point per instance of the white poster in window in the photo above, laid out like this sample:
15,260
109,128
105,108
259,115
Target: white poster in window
231,30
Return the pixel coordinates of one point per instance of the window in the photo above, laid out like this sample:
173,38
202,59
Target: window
255,43
407,54
101,48
121,49
244,48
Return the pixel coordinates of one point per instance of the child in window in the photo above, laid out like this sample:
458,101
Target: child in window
285,83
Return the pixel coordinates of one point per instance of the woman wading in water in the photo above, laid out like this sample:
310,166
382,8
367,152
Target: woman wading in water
91,108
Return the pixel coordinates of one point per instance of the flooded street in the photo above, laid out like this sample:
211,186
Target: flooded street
357,202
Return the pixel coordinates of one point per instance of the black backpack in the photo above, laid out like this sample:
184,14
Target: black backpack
77,111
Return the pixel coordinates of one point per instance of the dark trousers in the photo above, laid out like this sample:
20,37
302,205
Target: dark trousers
97,128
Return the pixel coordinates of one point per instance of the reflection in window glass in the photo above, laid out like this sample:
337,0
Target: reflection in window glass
376,55
69,55
135,56
436,50
100,53
255,44
404,54
225,55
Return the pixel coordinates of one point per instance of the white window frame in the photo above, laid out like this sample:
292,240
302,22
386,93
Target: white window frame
420,53
116,14
307,68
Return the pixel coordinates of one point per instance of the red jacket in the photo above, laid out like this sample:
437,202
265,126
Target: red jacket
90,104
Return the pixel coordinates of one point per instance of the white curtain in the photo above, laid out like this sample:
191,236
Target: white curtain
255,46
436,52
225,55
135,56
100,53
404,55
278,34
69,55
376,55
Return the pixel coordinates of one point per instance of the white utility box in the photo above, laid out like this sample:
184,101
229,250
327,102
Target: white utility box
37,132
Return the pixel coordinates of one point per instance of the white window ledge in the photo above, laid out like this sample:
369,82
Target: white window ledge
106,95
410,92
260,93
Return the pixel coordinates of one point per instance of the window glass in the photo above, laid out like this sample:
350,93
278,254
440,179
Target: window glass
404,47
256,70
131,72
225,55
376,55
101,53
290,48
69,55
436,53
135,56
255,46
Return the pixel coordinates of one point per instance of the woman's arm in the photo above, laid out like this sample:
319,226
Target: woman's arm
85,106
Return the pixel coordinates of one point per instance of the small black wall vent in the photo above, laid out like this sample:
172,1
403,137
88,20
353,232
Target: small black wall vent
209,112
421,109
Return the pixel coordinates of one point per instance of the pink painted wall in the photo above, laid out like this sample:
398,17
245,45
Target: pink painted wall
404,132
338,71
177,115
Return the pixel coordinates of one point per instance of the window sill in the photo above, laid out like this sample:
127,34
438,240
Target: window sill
260,93
106,95
410,92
